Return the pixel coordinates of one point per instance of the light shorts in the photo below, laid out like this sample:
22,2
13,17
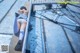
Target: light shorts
21,20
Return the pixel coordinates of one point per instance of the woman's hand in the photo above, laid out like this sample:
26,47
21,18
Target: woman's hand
21,11
25,11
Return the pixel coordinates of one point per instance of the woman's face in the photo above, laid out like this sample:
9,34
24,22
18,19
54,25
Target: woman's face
22,10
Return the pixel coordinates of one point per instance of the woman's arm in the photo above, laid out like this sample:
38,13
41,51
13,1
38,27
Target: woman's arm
20,11
25,12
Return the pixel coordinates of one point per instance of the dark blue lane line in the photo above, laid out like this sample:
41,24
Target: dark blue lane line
1,1
74,5
71,29
76,18
69,16
6,33
8,11
72,12
73,50
44,36
63,13
77,13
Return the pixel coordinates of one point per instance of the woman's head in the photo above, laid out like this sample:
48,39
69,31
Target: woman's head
23,7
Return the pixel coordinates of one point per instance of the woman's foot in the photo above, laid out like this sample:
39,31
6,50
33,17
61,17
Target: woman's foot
18,47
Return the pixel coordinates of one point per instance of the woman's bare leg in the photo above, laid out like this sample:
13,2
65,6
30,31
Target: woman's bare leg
23,26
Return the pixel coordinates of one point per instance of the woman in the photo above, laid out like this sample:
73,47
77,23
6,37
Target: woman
21,22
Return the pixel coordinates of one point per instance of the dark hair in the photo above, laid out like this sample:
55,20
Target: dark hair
23,7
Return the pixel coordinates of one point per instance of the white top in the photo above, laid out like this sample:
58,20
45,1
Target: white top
22,16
